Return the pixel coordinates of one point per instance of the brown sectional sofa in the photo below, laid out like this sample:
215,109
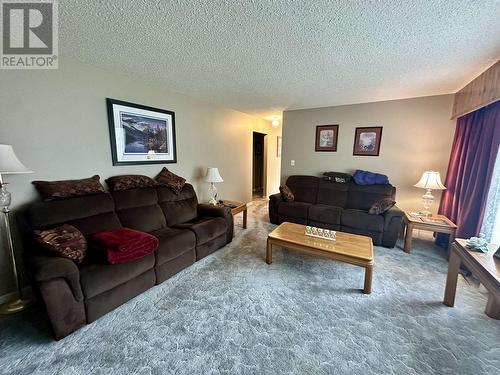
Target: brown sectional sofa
338,206
76,295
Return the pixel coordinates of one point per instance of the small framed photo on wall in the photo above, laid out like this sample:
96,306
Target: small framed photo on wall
367,141
326,138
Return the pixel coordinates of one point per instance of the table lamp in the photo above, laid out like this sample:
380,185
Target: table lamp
429,181
213,176
10,164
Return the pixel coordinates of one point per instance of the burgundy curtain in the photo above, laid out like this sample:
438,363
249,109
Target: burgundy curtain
473,155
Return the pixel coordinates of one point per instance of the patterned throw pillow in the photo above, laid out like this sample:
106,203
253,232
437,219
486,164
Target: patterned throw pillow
170,180
129,181
381,206
286,193
65,241
53,190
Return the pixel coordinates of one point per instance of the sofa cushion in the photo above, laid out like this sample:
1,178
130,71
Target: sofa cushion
170,180
325,214
138,209
98,278
53,190
89,214
294,209
129,181
65,241
333,193
304,188
205,229
363,197
173,243
178,208
362,220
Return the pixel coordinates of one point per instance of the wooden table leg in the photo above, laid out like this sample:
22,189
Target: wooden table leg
451,279
492,307
269,252
368,279
245,218
450,240
408,237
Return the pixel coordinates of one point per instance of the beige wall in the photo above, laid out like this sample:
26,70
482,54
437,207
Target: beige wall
57,123
417,136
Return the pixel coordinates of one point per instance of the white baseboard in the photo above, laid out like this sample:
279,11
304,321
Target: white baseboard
10,296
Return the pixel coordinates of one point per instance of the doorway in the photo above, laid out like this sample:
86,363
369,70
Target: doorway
258,165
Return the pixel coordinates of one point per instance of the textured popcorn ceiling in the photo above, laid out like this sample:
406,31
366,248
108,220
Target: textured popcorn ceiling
264,56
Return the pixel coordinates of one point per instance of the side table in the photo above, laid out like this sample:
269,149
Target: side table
434,223
484,266
236,208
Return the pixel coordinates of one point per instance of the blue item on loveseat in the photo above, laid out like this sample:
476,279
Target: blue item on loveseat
370,178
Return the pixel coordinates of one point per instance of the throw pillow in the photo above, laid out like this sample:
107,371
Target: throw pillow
65,241
53,190
381,206
170,180
120,245
286,193
129,181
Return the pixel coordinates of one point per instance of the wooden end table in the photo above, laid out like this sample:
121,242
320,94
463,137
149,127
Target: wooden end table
441,224
240,207
348,248
483,265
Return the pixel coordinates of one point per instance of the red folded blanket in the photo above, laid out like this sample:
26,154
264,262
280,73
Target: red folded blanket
120,245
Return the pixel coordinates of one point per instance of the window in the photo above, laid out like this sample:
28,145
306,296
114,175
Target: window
491,222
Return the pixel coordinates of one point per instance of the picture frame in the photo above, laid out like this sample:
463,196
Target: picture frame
326,138
140,134
279,142
367,141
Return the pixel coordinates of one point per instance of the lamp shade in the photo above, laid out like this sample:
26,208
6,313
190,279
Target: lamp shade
213,175
9,163
430,180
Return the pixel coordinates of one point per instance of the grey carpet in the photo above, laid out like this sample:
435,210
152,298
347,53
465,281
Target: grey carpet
231,313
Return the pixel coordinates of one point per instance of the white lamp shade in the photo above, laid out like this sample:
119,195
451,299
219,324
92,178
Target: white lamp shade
430,180
213,175
9,163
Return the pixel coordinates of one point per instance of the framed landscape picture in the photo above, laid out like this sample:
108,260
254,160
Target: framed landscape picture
140,134
367,141
326,138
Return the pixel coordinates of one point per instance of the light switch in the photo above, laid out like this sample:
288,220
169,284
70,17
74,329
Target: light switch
292,163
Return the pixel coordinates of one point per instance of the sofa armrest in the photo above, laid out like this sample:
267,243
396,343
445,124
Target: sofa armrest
213,211
276,198
274,202
210,210
393,213
45,268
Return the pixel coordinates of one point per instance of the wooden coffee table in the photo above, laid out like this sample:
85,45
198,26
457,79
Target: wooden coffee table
348,248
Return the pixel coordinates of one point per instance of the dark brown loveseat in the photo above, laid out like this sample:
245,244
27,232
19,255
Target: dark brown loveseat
76,295
338,206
